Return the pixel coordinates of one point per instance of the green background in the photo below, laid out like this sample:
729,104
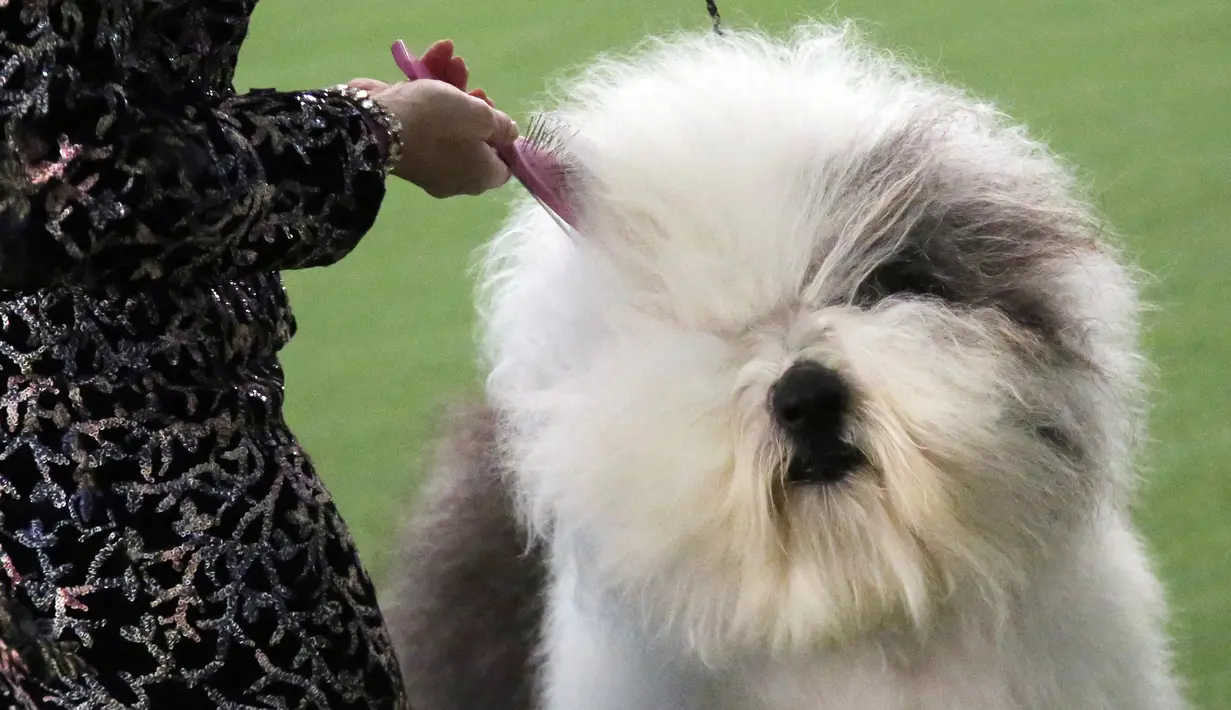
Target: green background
1137,93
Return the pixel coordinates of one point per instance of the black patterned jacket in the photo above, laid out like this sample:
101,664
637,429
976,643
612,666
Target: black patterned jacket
163,538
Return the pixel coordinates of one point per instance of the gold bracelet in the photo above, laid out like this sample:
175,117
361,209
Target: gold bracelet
383,117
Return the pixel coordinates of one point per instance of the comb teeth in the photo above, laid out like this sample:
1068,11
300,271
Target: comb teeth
541,173
535,161
545,134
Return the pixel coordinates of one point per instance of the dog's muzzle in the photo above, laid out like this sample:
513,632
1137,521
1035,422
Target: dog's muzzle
810,404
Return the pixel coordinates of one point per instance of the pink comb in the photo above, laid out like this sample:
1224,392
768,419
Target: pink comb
532,167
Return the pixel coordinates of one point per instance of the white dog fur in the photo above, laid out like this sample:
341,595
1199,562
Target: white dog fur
746,203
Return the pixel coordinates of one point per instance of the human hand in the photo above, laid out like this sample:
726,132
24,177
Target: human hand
447,133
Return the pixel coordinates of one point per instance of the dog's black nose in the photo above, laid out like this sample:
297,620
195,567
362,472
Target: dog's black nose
810,403
809,400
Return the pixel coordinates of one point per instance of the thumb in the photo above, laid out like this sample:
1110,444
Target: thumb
369,85
499,129
495,172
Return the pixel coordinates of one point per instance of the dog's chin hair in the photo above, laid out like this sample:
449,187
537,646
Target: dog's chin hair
950,500
736,197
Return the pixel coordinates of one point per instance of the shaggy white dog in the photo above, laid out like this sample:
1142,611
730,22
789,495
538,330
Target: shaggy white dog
831,402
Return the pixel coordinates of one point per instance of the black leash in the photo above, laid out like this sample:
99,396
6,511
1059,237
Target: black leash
713,9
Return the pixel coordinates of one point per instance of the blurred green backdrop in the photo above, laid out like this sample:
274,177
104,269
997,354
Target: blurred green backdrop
1137,93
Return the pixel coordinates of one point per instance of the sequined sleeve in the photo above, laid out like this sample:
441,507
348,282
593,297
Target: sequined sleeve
106,179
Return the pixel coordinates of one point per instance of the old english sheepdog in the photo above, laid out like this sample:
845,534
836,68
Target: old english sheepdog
829,402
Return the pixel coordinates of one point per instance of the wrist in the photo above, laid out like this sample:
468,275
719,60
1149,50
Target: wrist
381,123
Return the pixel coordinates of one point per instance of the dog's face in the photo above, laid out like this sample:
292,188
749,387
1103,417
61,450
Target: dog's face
834,345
